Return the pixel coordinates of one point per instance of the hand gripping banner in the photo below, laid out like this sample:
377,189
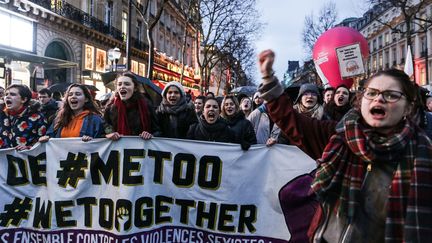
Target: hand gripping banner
160,190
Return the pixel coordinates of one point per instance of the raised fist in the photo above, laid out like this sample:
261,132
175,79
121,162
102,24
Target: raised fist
266,59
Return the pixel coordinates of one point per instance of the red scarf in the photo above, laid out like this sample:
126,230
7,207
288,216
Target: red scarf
14,113
122,121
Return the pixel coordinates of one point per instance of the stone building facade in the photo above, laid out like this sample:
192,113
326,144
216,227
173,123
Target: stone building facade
74,36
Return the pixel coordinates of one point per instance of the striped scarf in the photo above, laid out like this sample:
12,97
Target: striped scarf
344,163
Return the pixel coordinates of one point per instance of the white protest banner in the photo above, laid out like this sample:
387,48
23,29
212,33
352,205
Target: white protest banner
160,190
350,61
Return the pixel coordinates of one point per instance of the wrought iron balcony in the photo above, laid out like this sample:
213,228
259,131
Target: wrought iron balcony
139,44
75,14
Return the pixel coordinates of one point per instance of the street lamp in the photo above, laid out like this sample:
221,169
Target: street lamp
114,56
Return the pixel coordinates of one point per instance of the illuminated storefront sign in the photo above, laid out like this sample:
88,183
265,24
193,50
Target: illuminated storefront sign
88,57
101,60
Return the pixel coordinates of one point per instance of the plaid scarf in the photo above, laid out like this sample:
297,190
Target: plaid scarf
344,163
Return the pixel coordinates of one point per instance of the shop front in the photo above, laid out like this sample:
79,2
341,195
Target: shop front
94,64
166,70
19,62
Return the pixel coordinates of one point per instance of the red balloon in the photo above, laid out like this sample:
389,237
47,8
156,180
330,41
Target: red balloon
325,57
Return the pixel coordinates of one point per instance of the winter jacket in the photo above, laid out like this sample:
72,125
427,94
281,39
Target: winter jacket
334,112
49,110
23,129
243,130
175,124
217,132
111,117
261,124
93,126
309,134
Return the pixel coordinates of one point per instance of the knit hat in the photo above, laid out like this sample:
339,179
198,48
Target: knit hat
177,85
306,88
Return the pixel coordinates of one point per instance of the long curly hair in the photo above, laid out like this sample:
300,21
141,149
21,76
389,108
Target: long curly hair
65,113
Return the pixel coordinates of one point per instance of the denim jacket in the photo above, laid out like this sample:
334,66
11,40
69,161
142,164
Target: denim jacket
93,126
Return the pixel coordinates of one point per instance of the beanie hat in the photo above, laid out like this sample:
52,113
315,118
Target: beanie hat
177,85
306,88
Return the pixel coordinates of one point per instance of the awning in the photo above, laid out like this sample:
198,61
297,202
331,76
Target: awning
46,62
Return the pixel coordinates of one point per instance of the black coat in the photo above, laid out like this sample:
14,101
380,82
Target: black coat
49,110
243,129
334,112
217,132
176,125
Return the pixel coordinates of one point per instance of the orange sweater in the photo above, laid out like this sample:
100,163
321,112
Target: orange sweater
74,127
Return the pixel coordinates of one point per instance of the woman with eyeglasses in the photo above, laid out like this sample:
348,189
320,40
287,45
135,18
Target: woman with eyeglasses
373,179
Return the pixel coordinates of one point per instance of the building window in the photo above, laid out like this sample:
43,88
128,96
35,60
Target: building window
124,24
90,7
423,44
139,30
386,59
108,13
387,38
380,61
56,5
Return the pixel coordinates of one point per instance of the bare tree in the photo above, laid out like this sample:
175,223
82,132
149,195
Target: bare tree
150,20
222,22
243,59
314,26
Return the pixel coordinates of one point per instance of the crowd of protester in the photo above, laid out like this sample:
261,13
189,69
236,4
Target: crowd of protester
384,127
128,112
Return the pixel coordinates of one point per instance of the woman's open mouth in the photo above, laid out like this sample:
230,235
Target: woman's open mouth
123,92
378,112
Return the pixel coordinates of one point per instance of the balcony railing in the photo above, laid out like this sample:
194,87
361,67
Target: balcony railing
75,14
139,44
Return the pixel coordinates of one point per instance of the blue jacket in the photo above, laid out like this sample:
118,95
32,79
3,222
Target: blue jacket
93,126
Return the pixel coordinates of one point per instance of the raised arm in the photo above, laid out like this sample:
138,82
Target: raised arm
310,135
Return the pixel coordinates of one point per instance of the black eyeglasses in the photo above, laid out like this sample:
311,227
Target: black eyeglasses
389,96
